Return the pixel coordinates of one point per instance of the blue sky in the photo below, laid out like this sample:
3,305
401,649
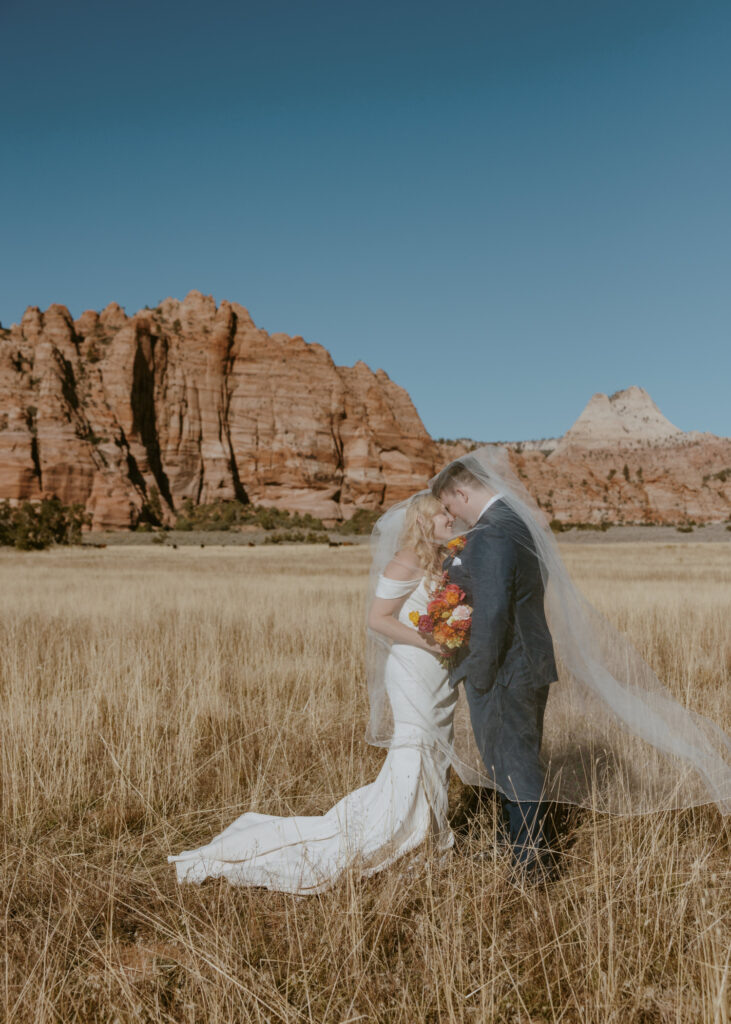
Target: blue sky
507,206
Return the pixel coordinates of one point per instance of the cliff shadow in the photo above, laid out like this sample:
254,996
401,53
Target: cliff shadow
144,420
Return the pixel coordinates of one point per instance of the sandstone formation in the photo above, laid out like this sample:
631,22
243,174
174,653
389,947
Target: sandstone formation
622,461
689,481
190,400
628,418
132,416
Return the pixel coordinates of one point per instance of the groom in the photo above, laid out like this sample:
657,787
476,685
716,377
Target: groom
510,664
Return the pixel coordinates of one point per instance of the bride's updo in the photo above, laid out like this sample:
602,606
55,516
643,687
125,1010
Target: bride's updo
419,533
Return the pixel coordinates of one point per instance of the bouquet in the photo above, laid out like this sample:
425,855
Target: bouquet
447,620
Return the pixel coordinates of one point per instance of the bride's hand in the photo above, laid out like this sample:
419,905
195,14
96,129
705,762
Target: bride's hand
430,645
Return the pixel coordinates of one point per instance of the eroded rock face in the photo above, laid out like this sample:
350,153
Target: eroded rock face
662,483
626,418
195,401
622,461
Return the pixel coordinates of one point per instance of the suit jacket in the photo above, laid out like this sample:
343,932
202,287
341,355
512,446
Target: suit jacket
501,576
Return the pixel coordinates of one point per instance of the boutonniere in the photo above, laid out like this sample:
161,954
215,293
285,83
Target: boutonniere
456,545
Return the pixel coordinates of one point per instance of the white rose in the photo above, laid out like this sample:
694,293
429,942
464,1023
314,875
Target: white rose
460,613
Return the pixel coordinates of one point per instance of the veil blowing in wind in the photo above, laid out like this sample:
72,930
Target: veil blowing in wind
614,738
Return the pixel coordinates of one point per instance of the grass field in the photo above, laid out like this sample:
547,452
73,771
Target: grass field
151,695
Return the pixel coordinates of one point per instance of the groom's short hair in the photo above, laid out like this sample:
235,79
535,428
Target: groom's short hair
451,477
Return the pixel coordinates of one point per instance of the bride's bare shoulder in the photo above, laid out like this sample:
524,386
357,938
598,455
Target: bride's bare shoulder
404,565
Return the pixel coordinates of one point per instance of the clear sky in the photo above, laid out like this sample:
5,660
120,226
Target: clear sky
506,205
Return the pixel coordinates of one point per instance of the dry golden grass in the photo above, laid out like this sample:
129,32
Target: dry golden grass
149,696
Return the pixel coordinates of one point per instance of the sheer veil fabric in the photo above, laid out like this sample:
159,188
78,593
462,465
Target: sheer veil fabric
614,737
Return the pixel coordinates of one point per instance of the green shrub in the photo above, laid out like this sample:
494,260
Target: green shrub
277,518
34,526
297,537
361,522
230,515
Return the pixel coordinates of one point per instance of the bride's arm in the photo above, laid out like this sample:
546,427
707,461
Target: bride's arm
382,618
383,614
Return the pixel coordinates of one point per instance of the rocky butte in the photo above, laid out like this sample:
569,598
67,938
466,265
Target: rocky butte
193,401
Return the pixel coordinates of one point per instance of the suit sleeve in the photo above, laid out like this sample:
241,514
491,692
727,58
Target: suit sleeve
492,568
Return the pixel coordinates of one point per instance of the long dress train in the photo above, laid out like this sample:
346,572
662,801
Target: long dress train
372,826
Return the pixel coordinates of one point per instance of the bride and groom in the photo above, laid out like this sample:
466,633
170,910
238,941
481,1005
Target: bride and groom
537,734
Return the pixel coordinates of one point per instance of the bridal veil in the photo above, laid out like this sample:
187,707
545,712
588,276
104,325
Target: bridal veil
615,739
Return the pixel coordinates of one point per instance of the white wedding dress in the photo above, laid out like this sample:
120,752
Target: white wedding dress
374,825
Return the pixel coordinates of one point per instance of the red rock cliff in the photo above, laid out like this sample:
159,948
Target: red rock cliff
198,402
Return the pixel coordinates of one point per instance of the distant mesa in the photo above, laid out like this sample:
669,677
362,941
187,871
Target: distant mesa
191,401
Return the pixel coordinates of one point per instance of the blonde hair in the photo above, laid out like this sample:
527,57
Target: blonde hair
419,533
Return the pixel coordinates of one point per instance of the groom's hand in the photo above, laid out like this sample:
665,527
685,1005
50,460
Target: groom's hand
456,675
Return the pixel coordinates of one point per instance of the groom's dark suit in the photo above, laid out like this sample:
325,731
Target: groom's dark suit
510,664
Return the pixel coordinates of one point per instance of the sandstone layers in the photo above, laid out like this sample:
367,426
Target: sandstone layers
192,401
128,415
622,461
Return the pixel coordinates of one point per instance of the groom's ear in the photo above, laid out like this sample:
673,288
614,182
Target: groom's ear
462,495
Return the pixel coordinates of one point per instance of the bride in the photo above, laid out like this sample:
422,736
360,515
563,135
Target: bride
407,802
